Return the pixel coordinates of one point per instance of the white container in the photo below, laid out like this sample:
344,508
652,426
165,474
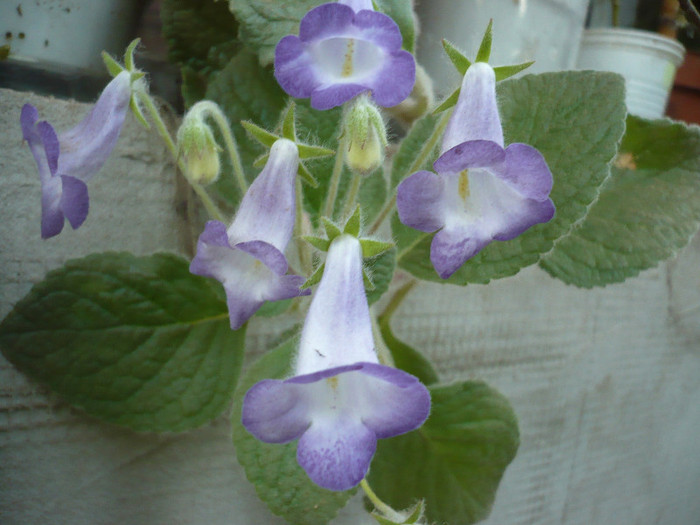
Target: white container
547,31
648,61
66,32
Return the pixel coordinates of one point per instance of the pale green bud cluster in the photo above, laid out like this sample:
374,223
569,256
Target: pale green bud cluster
365,136
198,149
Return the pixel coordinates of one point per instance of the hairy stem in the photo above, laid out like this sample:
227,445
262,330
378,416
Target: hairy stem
382,507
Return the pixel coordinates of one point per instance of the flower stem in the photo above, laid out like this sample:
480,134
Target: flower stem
382,507
352,195
417,163
335,179
398,298
209,204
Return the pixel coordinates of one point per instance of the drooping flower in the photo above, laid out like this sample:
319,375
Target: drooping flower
482,191
344,49
248,256
341,400
66,162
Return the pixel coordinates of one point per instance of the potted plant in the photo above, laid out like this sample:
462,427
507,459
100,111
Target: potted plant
647,54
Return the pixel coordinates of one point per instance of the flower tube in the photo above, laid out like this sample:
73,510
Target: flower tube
482,191
66,162
344,49
248,256
340,400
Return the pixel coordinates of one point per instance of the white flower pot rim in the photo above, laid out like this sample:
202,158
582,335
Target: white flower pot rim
635,38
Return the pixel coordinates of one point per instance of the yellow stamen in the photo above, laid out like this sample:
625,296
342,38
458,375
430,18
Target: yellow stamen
332,382
464,184
347,64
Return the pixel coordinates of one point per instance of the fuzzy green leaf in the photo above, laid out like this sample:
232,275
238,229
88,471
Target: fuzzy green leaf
504,72
263,136
372,247
352,227
318,242
273,469
406,357
461,453
381,270
484,52
136,341
647,211
459,61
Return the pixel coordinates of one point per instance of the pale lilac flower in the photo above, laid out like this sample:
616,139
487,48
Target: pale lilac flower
248,256
69,160
344,49
482,191
341,400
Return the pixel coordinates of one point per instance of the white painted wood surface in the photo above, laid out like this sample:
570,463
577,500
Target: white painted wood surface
606,383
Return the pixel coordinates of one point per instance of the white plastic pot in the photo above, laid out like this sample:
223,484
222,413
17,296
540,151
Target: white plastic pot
66,32
648,61
547,31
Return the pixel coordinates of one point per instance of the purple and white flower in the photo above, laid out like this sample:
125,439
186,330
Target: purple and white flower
482,191
248,256
344,49
66,162
340,400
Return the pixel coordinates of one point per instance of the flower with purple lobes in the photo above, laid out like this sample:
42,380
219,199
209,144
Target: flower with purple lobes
482,191
248,256
341,400
344,49
66,162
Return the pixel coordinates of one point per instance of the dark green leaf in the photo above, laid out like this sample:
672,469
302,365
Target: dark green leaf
647,211
575,119
136,341
273,469
455,461
402,13
381,270
406,357
373,194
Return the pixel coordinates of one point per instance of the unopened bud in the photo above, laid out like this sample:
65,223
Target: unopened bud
198,149
366,136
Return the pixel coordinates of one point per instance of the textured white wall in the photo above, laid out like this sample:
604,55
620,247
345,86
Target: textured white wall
606,383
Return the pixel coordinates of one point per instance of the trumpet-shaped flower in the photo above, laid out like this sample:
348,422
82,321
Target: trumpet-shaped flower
66,162
344,49
248,256
341,399
482,191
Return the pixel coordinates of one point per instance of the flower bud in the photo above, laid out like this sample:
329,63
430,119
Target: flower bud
365,135
198,149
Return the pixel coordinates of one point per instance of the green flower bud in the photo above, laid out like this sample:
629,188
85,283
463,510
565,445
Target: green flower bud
365,134
198,149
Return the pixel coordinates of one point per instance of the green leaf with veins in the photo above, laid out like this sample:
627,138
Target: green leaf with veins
272,468
455,461
647,211
575,119
135,341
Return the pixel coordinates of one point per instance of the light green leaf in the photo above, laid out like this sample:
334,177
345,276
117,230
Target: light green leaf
373,247
273,469
318,242
504,72
575,119
263,136
647,211
484,52
332,229
455,461
136,341
459,61
352,227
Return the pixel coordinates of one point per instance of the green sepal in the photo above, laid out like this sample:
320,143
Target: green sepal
372,248
448,102
459,61
261,160
484,52
288,127
129,54
136,110
318,242
315,278
352,227
263,136
113,67
307,151
306,176
504,72
331,228
369,285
